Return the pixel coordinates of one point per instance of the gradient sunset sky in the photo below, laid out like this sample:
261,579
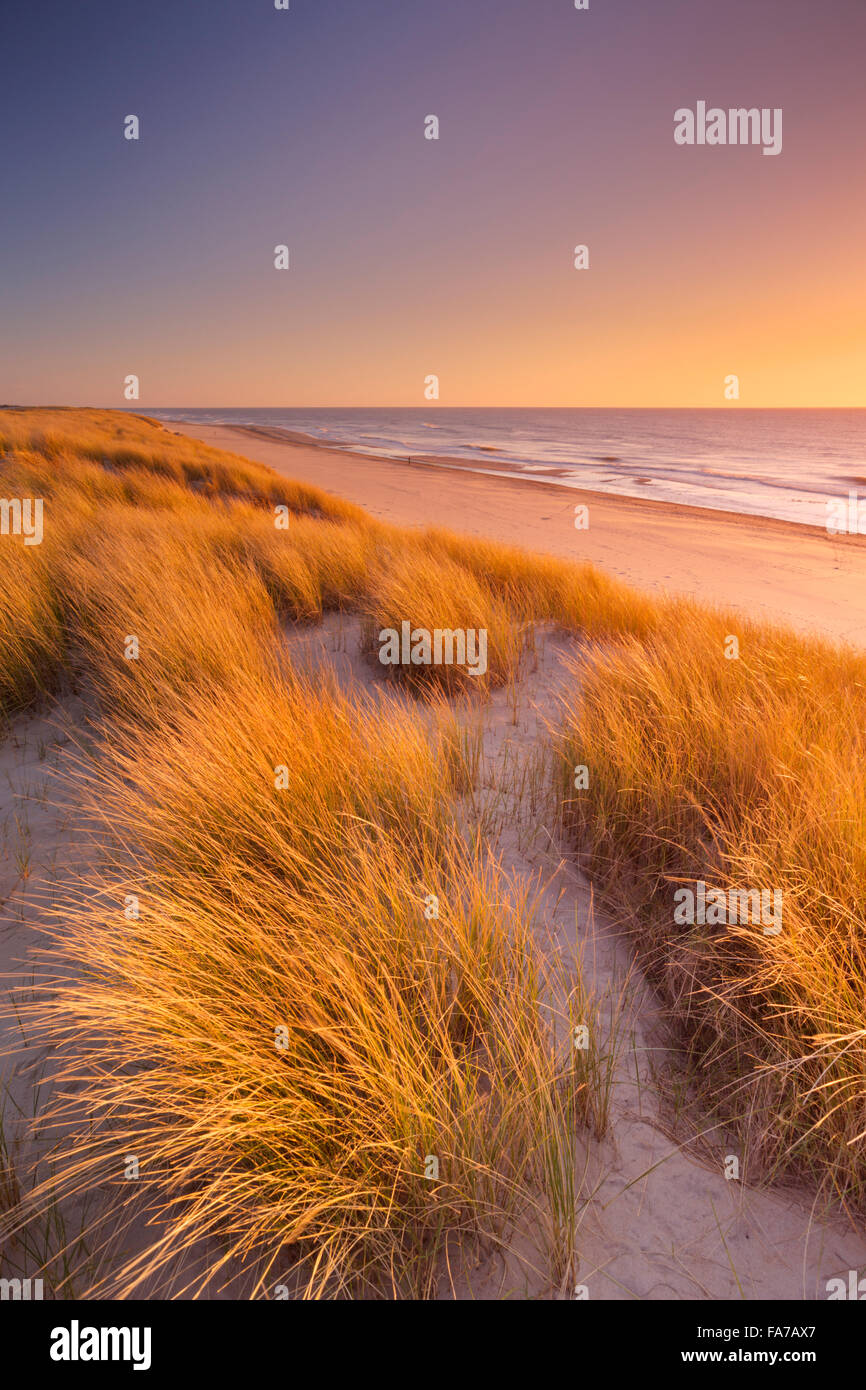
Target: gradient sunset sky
411,256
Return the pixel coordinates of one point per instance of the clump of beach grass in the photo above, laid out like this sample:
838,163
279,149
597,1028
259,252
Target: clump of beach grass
429,591
743,774
31,641
322,1035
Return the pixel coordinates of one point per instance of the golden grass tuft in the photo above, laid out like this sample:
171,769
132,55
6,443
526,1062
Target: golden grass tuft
306,906
408,1034
152,616
31,642
743,774
431,591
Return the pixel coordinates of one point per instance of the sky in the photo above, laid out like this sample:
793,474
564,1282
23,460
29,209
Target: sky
412,257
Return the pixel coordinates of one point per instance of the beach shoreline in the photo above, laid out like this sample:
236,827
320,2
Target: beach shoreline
698,768
769,569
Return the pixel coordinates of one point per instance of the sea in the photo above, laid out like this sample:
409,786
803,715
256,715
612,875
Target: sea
775,463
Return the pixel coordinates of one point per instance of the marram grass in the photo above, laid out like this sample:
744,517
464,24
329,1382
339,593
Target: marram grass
295,993
407,1037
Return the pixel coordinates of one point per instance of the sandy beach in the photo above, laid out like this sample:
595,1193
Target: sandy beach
771,570
660,1183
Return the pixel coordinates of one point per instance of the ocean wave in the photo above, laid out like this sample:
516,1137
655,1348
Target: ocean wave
774,463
